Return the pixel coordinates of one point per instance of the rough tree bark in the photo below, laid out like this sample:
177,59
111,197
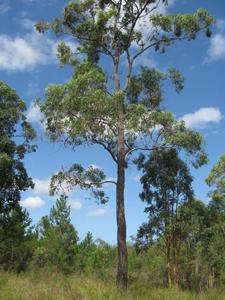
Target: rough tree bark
168,260
121,226
122,270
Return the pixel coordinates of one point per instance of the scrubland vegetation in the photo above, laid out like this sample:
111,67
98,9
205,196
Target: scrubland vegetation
50,262
50,286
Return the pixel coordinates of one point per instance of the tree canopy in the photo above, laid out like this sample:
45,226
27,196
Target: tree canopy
16,135
94,109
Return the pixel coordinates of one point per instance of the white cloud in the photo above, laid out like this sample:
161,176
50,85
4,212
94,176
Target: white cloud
27,24
33,114
24,53
216,49
41,186
32,202
4,6
146,61
93,166
202,117
97,212
75,204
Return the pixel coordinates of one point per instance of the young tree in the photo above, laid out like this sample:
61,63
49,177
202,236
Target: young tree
58,238
17,240
15,137
166,185
92,110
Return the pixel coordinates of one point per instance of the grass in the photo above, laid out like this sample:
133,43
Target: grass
47,286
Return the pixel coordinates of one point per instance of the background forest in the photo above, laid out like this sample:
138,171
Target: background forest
114,104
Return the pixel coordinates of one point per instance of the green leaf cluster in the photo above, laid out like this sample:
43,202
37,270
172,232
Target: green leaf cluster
16,135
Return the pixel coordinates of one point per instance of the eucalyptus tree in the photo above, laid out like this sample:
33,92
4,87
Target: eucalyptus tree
122,114
166,185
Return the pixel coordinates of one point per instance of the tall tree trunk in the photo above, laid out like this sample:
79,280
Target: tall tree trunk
12,253
120,209
211,277
121,230
168,260
175,278
178,263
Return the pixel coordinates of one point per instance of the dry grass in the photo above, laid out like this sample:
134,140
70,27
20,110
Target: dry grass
47,286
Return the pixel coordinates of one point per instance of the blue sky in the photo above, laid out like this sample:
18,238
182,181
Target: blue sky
28,64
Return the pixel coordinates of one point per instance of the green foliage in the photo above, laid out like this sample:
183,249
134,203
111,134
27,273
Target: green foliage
87,111
16,134
166,185
92,23
147,84
95,257
57,239
76,175
200,229
65,55
17,241
81,112
180,26
216,179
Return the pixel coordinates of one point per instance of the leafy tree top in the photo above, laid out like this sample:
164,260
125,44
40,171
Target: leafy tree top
166,182
59,221
165,179
89,110
112,27
216,179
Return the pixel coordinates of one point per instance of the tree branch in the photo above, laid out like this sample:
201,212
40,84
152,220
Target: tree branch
154,44
129,151
130,64
102,182
106,148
